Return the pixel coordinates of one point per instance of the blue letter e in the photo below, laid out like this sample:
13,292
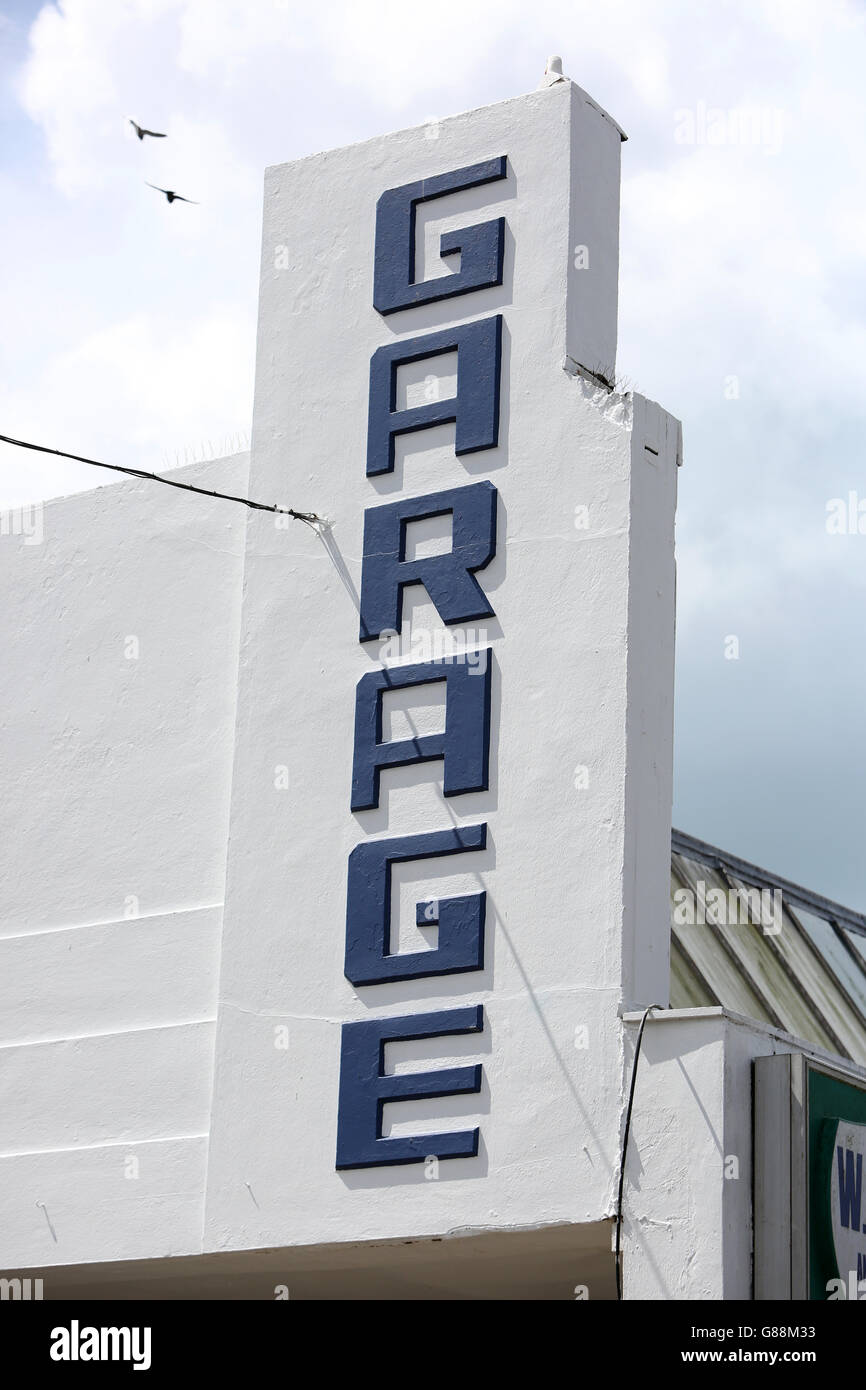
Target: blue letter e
365,1089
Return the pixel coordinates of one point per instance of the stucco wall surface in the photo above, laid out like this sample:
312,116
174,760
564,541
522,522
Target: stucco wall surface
178,727
688,1227
119,632
581,646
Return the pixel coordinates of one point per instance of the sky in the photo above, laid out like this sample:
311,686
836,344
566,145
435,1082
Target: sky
129,326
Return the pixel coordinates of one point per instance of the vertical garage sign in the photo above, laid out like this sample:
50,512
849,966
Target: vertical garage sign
464,745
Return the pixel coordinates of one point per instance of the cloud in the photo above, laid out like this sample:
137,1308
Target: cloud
139,393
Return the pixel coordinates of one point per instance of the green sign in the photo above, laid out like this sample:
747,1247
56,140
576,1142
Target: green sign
837,1210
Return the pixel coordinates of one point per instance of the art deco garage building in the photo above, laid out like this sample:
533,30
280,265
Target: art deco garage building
339,877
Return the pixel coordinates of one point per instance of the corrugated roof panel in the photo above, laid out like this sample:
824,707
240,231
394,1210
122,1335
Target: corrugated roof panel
700,944
808,978
807,992
856,942
781,995
688,991
844,963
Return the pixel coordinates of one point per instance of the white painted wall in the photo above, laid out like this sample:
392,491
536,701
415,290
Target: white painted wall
673,1199
115,769
687,1232
118,770
113,823
577,880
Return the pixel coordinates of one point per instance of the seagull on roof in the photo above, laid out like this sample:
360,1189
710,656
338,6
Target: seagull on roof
553,72
141,131
171,195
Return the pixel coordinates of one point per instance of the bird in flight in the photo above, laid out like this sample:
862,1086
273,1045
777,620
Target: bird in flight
141,131
171,195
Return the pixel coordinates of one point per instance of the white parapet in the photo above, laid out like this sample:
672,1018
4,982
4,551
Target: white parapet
495,584
576,642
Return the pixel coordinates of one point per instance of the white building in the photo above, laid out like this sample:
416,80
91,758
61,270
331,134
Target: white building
322,958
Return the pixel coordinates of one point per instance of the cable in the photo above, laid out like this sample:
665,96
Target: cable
309,518
647,1013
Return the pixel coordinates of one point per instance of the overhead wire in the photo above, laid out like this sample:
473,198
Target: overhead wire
309,518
